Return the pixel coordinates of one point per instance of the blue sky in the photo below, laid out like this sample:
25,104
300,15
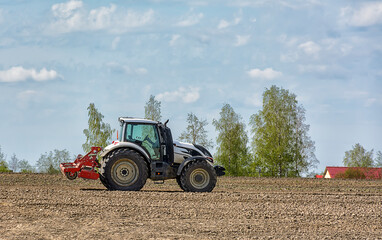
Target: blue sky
56,57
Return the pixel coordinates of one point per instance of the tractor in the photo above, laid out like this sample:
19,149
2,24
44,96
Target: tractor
145,149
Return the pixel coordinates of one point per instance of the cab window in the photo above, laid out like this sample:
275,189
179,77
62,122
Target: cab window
145,135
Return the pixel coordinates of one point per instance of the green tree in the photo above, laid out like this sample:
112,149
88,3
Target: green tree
232,151
378,159
152,109
358,157
281,144
3,162
99,133
195,132
4,166
14,163
50,162
25,167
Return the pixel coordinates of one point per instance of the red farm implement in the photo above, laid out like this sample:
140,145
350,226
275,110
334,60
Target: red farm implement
83,166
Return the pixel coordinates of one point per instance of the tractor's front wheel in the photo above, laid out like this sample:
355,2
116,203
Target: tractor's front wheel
179,183
198,176
124,170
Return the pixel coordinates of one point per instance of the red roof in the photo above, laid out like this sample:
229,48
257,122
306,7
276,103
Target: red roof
370,173
319,176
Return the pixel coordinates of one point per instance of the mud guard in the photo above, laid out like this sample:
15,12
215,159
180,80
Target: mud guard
218,169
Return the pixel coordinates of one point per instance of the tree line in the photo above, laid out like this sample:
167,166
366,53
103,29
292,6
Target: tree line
278,144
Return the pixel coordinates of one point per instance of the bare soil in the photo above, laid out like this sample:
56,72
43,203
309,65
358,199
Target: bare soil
40,206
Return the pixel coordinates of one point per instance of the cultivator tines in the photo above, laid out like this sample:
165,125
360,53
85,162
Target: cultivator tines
83,166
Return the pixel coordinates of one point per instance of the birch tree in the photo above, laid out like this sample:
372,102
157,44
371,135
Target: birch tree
195,132
152,109
280,142
98,133
358,156
232,150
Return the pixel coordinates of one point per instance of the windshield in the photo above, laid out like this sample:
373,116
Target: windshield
120,133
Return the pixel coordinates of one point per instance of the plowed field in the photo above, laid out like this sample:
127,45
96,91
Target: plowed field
39,206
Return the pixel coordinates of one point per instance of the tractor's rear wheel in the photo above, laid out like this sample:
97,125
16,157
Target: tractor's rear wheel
103,181
124,169
198,176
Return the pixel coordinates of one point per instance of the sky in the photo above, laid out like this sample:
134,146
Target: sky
56,57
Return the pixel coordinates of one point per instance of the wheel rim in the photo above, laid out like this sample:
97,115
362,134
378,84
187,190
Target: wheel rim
71,175
199,178
125,172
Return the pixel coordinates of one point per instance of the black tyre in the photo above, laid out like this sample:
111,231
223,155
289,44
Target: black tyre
179,182
124,170
103,181
198,176
71,175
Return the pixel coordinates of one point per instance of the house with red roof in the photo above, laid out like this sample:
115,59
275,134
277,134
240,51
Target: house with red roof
370,173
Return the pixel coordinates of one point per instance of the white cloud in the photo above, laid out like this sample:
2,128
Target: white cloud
72,16
267,73
190,20
174,38
367,15
238,20
132,20
115,43
242,40
141,71
297,4
224,24
186,95
310,48
101,18
66,10
288,41
19,74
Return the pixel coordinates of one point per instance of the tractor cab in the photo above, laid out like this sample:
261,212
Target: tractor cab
153,137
